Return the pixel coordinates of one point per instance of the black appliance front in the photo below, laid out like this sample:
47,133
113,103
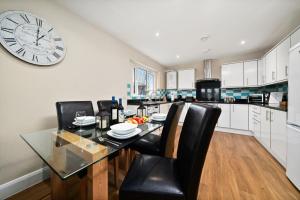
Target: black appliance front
208,90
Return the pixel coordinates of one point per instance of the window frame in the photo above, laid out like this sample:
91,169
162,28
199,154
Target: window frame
148,71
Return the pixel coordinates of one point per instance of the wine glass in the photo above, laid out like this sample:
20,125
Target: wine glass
79,116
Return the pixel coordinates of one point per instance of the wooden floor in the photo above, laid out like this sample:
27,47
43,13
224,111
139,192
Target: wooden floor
236,167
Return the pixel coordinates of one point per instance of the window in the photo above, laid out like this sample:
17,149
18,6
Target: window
144,81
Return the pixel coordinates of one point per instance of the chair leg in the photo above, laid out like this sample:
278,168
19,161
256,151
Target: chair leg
116,171
127,158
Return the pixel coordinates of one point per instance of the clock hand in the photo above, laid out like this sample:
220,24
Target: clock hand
41,37
37,36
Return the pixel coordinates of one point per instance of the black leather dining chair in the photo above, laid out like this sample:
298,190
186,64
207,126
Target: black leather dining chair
160,145
160,178
66,111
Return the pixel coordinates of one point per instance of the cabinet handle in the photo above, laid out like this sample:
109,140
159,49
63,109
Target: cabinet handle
273,73
267,115
286,70
232,107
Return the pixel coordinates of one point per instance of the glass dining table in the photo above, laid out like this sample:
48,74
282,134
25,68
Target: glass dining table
84,153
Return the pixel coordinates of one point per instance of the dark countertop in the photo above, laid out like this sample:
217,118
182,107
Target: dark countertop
238,101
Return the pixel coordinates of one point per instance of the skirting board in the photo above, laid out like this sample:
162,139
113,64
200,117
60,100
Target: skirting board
22,183
236,131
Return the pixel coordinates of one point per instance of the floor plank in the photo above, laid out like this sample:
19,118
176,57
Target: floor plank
236,167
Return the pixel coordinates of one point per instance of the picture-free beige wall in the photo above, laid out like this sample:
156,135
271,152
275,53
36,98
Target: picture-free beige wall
96,66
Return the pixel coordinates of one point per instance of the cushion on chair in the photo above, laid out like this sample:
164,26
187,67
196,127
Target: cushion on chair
150,144
151,178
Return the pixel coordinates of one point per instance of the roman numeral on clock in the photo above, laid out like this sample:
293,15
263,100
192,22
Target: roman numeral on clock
39,22
12,21
35,58
56,55
25,18
9,30
20,50
10,41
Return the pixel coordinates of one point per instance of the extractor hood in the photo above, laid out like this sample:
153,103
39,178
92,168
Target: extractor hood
207,69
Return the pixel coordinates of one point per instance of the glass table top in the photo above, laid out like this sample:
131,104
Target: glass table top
67,152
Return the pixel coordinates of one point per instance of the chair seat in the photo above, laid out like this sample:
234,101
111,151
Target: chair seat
151,177
150,144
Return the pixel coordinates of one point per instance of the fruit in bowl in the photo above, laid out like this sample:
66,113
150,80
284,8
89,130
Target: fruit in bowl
138,120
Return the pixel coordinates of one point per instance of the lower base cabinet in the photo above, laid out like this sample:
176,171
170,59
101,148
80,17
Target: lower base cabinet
224,119
265,133
279,135
239,116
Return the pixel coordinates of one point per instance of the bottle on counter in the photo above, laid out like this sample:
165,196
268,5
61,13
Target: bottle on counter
114,111
121,115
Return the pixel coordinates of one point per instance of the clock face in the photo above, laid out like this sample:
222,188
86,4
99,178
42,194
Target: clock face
30,38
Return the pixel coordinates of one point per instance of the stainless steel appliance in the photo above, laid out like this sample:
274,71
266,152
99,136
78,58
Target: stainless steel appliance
293,127
256,98
208,90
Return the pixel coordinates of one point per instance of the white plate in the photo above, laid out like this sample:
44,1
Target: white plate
159,116
83,124
85,119
123,128
122,137
158,120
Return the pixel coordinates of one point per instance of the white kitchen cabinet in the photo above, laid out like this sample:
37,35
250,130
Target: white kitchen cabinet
254,120
283,59
261,71
271,66
239,116
186,79
250,73
232,75
171,80
279,135
164,108
265,133
256,129
184,112
295,37
224,119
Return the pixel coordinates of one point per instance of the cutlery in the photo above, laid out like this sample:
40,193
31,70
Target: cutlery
101,139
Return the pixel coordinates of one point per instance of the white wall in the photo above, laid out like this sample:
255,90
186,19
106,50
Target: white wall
96,67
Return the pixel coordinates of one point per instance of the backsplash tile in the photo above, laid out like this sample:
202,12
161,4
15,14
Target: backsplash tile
243,93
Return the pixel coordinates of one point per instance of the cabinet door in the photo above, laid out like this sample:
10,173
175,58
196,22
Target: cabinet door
265,133
295,37
186,79
250,73
279,135
283,59
260,73
251,119
239,117
233,75
172,80
271,66
224,119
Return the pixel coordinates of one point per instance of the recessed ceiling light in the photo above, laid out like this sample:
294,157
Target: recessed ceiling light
204,37
177,56
243,42
157,34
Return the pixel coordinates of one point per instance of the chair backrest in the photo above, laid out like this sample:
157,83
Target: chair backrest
66,111
195,137
169,129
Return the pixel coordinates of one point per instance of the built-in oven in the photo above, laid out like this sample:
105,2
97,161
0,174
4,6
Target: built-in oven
208,90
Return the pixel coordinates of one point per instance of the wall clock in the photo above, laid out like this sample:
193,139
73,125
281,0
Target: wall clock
30,38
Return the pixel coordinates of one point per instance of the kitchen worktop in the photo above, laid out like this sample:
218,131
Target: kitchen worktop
238,101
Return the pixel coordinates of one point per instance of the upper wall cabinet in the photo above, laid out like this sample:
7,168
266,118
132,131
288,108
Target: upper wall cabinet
295,37
283,59
232,75
261,71
271,64
171,80
250,73
186,79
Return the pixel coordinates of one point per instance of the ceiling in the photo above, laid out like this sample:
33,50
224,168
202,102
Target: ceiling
182,23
